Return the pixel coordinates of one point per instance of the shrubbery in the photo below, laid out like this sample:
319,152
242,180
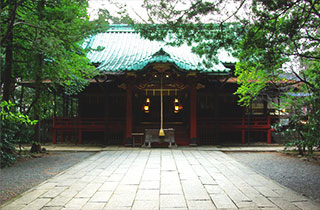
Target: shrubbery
15,130
304,112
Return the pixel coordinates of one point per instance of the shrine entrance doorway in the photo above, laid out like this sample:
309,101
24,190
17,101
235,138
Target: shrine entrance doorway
147,102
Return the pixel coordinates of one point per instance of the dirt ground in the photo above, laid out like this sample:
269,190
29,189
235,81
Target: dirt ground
297,173
29,172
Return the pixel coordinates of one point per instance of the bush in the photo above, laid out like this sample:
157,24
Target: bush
304,122
15,129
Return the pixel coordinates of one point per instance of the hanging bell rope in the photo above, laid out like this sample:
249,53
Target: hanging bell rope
161,132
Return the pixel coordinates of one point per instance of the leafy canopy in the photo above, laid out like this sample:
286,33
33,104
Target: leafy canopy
276,41
263,35
41,44
55,30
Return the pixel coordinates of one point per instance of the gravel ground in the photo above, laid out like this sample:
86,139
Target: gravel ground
28,173
298,175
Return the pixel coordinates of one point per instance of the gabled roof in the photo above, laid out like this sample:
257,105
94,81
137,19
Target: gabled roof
125,50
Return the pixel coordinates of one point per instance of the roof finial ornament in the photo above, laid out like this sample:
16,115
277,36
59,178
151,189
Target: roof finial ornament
161,52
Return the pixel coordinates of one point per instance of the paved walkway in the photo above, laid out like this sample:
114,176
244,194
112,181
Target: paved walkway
160,179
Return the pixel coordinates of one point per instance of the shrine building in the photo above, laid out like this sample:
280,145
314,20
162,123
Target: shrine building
146,85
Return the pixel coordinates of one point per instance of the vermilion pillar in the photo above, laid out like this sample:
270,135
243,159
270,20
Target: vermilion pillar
243,131
128,136
193,116
269,130
54,132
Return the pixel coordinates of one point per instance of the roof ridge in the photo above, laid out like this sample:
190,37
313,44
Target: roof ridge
163,53
121,28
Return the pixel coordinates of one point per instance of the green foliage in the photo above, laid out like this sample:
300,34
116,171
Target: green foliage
47,54
12,134
14,130
266,37
280,32
57,33
303,111
263,39
205,39
49,35
8,114
251,82
304,122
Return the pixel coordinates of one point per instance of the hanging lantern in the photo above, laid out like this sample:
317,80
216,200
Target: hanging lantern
177,106
146,106
176,109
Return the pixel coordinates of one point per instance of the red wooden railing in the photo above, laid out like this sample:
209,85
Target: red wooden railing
77,125
242,124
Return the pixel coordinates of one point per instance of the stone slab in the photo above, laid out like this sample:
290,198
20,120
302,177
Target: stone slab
179,179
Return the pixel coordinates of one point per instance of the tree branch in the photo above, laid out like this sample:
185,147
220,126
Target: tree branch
11,22
28,24
313,7
302,55
303,80
235,12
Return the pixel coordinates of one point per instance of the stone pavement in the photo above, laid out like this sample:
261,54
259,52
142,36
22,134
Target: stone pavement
163,179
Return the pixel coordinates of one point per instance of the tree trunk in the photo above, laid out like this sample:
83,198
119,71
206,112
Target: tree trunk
22,111
63,105
71,107
21,99
7,41
300,152
67,106
36,147
8,69
55,104
12,12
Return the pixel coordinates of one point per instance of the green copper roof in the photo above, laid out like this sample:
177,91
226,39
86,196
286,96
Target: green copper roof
125,50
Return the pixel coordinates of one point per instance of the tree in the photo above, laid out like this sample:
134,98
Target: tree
275,32
270,39
284,39
42,40
56,30
284,32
